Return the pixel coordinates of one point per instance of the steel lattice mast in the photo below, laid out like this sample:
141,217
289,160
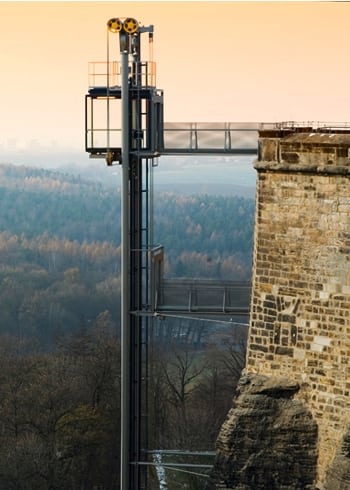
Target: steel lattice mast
131,100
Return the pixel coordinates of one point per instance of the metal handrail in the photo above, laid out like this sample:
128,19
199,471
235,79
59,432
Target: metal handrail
108,74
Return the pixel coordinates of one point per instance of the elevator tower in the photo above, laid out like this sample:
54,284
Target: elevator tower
124,125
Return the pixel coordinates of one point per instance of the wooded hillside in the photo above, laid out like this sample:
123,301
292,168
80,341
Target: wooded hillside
60,247
59,329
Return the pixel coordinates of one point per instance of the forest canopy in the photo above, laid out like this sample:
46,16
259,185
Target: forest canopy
60,246
59,328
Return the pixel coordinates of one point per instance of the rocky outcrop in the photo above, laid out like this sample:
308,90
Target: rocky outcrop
268,441
338,476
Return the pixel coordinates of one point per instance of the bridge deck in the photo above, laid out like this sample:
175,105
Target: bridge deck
188,296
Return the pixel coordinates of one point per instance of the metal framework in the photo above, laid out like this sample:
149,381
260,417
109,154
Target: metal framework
129,99
124,124
202,297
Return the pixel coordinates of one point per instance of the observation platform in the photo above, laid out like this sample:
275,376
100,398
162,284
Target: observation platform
201,296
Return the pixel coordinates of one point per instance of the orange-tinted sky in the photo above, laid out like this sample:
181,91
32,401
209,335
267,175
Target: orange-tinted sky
216,61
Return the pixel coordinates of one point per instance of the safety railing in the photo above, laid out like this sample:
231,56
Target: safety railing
212,137
200,296
103,73
317,126
208,138
108,74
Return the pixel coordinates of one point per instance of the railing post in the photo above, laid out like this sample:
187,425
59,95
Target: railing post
228,141
224,301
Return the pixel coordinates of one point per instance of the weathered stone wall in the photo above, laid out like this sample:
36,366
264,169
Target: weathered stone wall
300,310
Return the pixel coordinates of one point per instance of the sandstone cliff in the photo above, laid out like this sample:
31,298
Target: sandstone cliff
338,477
268,441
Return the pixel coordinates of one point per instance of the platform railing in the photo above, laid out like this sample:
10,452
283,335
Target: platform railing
317,126
201,296
108,74
232,138
226,137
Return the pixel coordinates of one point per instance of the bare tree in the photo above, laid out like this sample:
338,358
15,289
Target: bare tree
182,372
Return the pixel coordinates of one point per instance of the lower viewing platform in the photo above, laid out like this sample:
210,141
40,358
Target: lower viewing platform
202,296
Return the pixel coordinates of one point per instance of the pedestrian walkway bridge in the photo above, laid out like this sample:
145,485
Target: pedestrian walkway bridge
211,138
202,296
234,138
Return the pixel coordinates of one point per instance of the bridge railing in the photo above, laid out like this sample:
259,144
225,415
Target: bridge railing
182,138
201,137
317,126
201,296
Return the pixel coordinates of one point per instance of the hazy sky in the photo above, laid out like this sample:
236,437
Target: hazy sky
216,61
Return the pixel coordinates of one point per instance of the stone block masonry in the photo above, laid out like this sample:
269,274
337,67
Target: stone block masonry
300,314
300,310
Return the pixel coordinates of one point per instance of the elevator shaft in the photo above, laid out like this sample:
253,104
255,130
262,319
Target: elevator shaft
135,241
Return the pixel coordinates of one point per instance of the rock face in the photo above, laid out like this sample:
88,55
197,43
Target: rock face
338,477
268,441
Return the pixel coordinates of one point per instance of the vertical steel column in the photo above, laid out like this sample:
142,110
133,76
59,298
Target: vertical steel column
135,321
125,283
136,270
135,303
132,279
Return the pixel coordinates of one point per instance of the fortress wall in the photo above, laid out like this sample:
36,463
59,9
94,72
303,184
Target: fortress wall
300,306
